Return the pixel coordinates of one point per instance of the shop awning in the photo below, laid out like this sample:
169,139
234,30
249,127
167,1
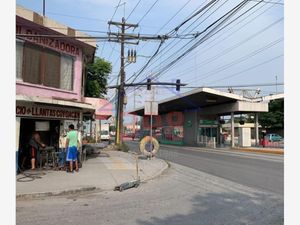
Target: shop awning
59,102
103,108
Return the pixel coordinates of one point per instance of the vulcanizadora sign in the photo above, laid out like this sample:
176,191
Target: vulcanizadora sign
53,43
46,112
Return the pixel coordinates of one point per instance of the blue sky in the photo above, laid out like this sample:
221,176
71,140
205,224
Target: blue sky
249,49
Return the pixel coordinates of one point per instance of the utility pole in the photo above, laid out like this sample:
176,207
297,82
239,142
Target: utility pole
276,84
44,5
134,116
121,90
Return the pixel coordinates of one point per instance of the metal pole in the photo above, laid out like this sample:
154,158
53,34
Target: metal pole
44,8
151,130
256,130
151,109
276,83
232,129
117,114
137,167
134,116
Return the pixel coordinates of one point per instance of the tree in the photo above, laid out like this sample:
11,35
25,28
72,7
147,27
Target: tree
96,78
275,117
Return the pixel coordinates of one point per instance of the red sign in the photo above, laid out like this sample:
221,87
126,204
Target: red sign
169,119
46,112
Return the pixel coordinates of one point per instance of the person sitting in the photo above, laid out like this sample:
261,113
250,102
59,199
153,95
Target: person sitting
34,145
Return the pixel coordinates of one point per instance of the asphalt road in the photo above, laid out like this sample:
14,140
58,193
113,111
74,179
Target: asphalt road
263,171
180,196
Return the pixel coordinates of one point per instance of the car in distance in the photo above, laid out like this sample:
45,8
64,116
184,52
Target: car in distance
273,137
104,135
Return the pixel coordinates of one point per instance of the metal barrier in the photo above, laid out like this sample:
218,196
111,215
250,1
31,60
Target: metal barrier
205,141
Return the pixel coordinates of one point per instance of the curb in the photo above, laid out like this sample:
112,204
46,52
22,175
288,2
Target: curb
271,151
58,193
260,150
167,166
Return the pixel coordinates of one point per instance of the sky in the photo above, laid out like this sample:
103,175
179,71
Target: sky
245,49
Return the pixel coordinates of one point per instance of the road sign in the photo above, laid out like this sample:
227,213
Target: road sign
151,108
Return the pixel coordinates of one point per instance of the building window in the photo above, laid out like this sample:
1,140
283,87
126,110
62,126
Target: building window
47,67
66,72
19,59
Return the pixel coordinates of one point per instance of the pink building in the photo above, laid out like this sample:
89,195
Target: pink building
50,78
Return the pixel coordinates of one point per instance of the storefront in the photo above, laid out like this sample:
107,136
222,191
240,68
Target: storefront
194,117
166,128
49,120
50,78
207,133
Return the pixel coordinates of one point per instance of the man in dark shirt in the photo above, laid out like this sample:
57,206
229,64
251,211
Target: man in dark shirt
34,145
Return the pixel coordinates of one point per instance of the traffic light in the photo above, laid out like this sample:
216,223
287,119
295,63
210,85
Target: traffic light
149,84
178,85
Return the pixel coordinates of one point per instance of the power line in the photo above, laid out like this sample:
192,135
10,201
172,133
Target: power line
231,33
239,60
116,8
145,66
171,20
276,3
228,24
108,29
237,85
217,24
250,68
133,10
147,12
162,49
77,17
213,34
226,51
195,14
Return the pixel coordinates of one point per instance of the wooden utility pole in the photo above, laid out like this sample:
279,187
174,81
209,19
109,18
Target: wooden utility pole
121,91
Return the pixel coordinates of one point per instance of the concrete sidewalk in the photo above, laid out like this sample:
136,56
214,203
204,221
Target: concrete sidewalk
279,151
99,173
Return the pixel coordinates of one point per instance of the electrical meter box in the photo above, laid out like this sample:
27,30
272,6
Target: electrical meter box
245,136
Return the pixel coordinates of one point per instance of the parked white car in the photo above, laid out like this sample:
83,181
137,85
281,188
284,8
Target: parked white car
104,135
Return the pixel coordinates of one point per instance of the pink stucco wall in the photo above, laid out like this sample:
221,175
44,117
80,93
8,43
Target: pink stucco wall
103,107
28,89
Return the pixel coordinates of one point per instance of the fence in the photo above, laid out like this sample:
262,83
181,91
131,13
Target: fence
205,141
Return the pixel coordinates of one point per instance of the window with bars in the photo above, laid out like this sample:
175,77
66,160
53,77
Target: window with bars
42,66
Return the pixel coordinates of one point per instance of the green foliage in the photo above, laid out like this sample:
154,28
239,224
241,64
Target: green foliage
275,117
122,147
96,78
112,128
92,88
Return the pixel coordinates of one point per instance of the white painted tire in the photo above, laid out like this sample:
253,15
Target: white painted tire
143,143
